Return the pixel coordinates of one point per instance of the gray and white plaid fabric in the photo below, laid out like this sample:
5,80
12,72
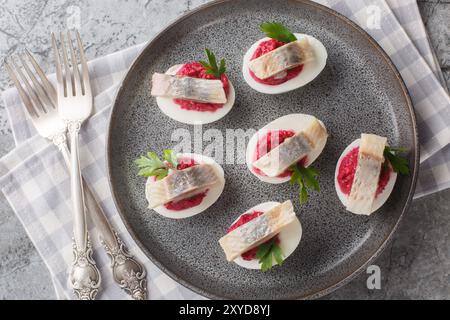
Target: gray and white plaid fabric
434,173
407,12
36,183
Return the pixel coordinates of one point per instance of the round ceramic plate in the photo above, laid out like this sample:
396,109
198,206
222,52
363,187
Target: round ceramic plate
358,91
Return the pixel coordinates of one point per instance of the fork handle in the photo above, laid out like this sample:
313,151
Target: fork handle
96,213
76,189
127,271
84,276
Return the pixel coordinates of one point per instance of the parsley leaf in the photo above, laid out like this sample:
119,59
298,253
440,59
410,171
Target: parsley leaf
171,158
267,252
160,173
397,149
305,178
263,250
277,31
266,263
150,165
278,254
399,164
211,66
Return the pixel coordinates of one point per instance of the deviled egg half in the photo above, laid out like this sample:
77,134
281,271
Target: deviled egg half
292,139
197,92
263,237
366,173
182,185
283,61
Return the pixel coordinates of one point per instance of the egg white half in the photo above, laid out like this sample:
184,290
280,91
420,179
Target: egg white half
211,197
310,70
174,111
295,122
289,236
380,199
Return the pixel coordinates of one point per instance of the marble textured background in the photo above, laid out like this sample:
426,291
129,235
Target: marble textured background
416,265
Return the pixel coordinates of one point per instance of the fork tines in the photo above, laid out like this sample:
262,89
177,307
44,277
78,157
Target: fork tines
37,95
73,82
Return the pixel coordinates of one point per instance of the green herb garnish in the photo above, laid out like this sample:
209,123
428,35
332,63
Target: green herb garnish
151,165
399,164
170,157
211,66
305,178
277,31
267,252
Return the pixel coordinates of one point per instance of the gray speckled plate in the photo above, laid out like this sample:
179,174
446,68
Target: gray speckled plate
358,91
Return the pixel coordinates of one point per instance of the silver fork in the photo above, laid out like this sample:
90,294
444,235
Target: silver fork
39,100
74,106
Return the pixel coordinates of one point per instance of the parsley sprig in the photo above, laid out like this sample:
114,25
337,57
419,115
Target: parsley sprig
277,31
150,165
399,164
267,252
305,178
211,66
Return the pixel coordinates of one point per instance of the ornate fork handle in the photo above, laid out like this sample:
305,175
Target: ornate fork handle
84,276
127,272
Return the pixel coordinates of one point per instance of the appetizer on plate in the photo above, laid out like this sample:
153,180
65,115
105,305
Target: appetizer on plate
197,92
181,185
283,61
284,149
262,237
366,173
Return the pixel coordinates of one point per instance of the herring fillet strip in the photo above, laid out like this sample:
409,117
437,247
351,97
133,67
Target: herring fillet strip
367,174
281,157
201,90
181,182
257,231
285,57
291,150
373,145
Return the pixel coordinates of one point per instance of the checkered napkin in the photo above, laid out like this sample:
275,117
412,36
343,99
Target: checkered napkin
36,182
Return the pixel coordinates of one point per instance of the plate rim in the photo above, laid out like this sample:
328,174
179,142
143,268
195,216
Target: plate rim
416,152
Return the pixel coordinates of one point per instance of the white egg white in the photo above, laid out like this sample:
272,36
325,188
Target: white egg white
295,122
309,72
380,199
211,197
289,237
174,111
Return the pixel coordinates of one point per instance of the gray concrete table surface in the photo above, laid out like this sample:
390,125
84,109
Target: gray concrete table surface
416,265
